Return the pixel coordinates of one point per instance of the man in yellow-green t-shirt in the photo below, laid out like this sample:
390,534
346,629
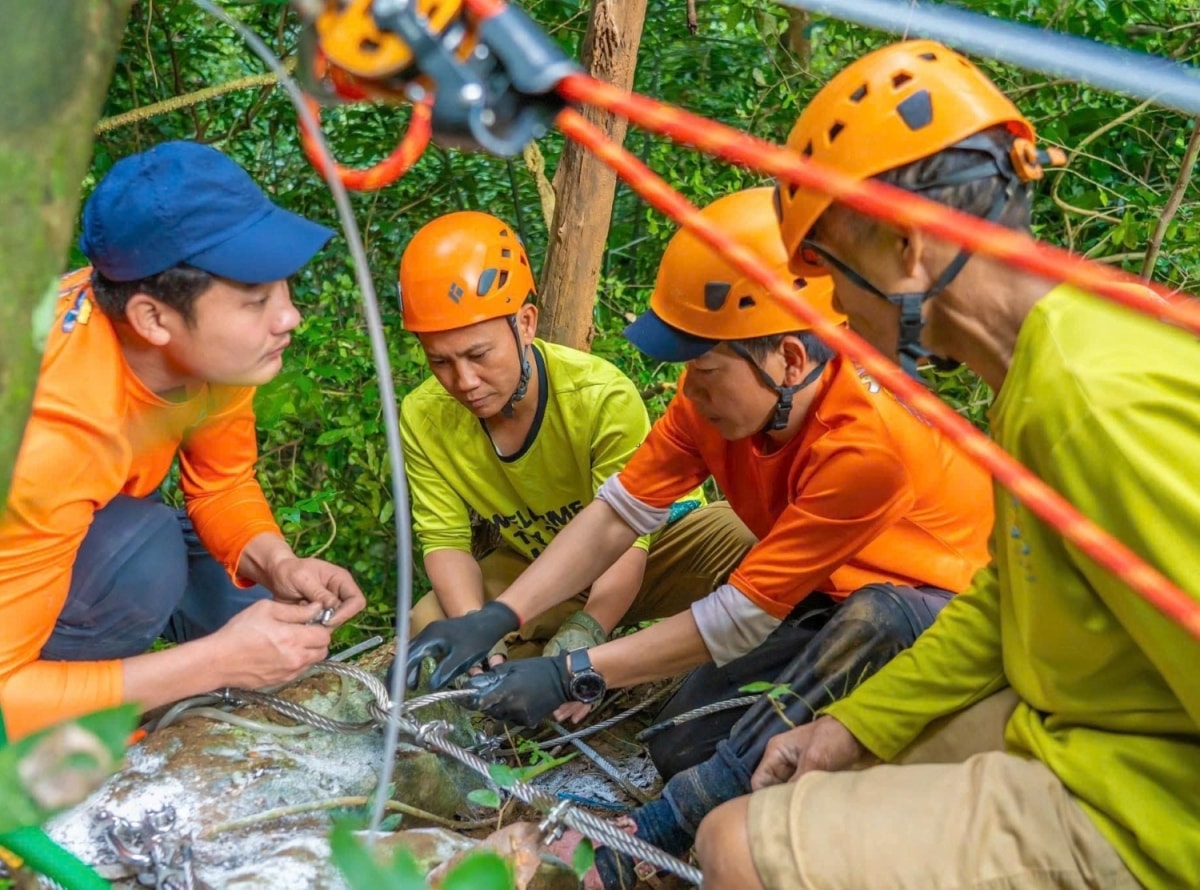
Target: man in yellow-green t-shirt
1047,727
521,433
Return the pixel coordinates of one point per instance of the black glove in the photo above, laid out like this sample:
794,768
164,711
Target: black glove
523,692
458,643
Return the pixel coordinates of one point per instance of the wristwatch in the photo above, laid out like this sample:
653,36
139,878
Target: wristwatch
586,685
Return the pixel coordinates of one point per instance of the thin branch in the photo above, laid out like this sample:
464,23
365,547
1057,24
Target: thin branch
332,532
338,803
190,99
1173,202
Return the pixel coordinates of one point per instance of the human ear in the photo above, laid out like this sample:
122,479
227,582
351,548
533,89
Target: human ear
148,319
795,360
527,317
914,252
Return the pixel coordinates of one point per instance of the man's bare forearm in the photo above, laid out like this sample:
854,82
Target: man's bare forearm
456,580
578,555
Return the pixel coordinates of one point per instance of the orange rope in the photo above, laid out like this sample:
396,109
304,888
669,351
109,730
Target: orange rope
1046,503
887,202
884,202
391,168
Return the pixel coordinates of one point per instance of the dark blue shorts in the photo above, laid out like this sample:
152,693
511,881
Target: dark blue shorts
140,573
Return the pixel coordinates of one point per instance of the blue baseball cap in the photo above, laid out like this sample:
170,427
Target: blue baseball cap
664,343
186,203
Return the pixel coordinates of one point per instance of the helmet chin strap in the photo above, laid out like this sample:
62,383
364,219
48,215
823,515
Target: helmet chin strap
509,408
996,163
785,394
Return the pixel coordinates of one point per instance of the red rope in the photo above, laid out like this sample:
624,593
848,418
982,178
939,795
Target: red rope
887,202
1046,503
387,171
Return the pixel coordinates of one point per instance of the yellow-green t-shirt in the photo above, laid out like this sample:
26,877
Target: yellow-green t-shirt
1104,405
590,419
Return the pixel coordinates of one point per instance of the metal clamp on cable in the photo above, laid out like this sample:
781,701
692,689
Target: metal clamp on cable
492,76
551,828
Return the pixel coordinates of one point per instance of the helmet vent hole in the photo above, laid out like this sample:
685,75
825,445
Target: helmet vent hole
800,283
837,128
792,189
746,302
486,279
505,252
859,94
928,57
900,78
917,110
503,278
367,45
715,293
524,262
808,150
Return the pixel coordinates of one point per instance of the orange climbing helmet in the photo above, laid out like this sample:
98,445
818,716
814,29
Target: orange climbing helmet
894,106
461,269
699,299
351,39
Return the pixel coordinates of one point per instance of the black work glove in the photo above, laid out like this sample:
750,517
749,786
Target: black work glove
523,692
458,643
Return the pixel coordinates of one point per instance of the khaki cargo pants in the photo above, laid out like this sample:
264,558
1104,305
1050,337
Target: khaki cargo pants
959,813
692,557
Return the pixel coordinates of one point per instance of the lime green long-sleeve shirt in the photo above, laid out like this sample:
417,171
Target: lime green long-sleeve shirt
1104,405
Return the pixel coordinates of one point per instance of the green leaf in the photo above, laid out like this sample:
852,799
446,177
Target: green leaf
583,858
502,775
58,767
531,772
484,870
361,870
759,686
330,436
485,797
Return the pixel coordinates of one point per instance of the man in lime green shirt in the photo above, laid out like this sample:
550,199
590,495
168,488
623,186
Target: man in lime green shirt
521,433
1047,727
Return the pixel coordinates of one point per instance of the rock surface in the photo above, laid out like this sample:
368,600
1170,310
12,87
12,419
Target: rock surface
257,807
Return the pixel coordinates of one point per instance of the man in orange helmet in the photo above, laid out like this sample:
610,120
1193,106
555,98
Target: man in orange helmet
867,521
521,433
1048,725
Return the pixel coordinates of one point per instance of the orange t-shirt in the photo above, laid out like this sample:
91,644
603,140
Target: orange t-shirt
96,431
865,492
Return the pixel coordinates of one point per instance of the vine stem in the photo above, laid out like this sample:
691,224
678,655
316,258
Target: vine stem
394,806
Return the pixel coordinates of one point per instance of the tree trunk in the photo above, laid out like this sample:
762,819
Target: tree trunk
59,56
585,187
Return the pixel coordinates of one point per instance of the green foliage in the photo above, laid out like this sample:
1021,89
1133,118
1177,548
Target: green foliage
583,858
752,64
56,768
363,871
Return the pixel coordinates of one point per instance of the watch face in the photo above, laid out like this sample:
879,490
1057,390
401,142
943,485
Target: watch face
587,687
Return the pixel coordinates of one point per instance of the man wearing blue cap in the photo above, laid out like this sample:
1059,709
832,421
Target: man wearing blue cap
153,356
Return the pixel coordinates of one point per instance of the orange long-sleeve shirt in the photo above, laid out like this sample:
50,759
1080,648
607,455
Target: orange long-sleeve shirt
95,432
866,492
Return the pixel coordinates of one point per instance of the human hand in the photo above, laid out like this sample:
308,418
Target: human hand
579,631
459,643
522,692
823,744
572,711
497,656
269,643
308,580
